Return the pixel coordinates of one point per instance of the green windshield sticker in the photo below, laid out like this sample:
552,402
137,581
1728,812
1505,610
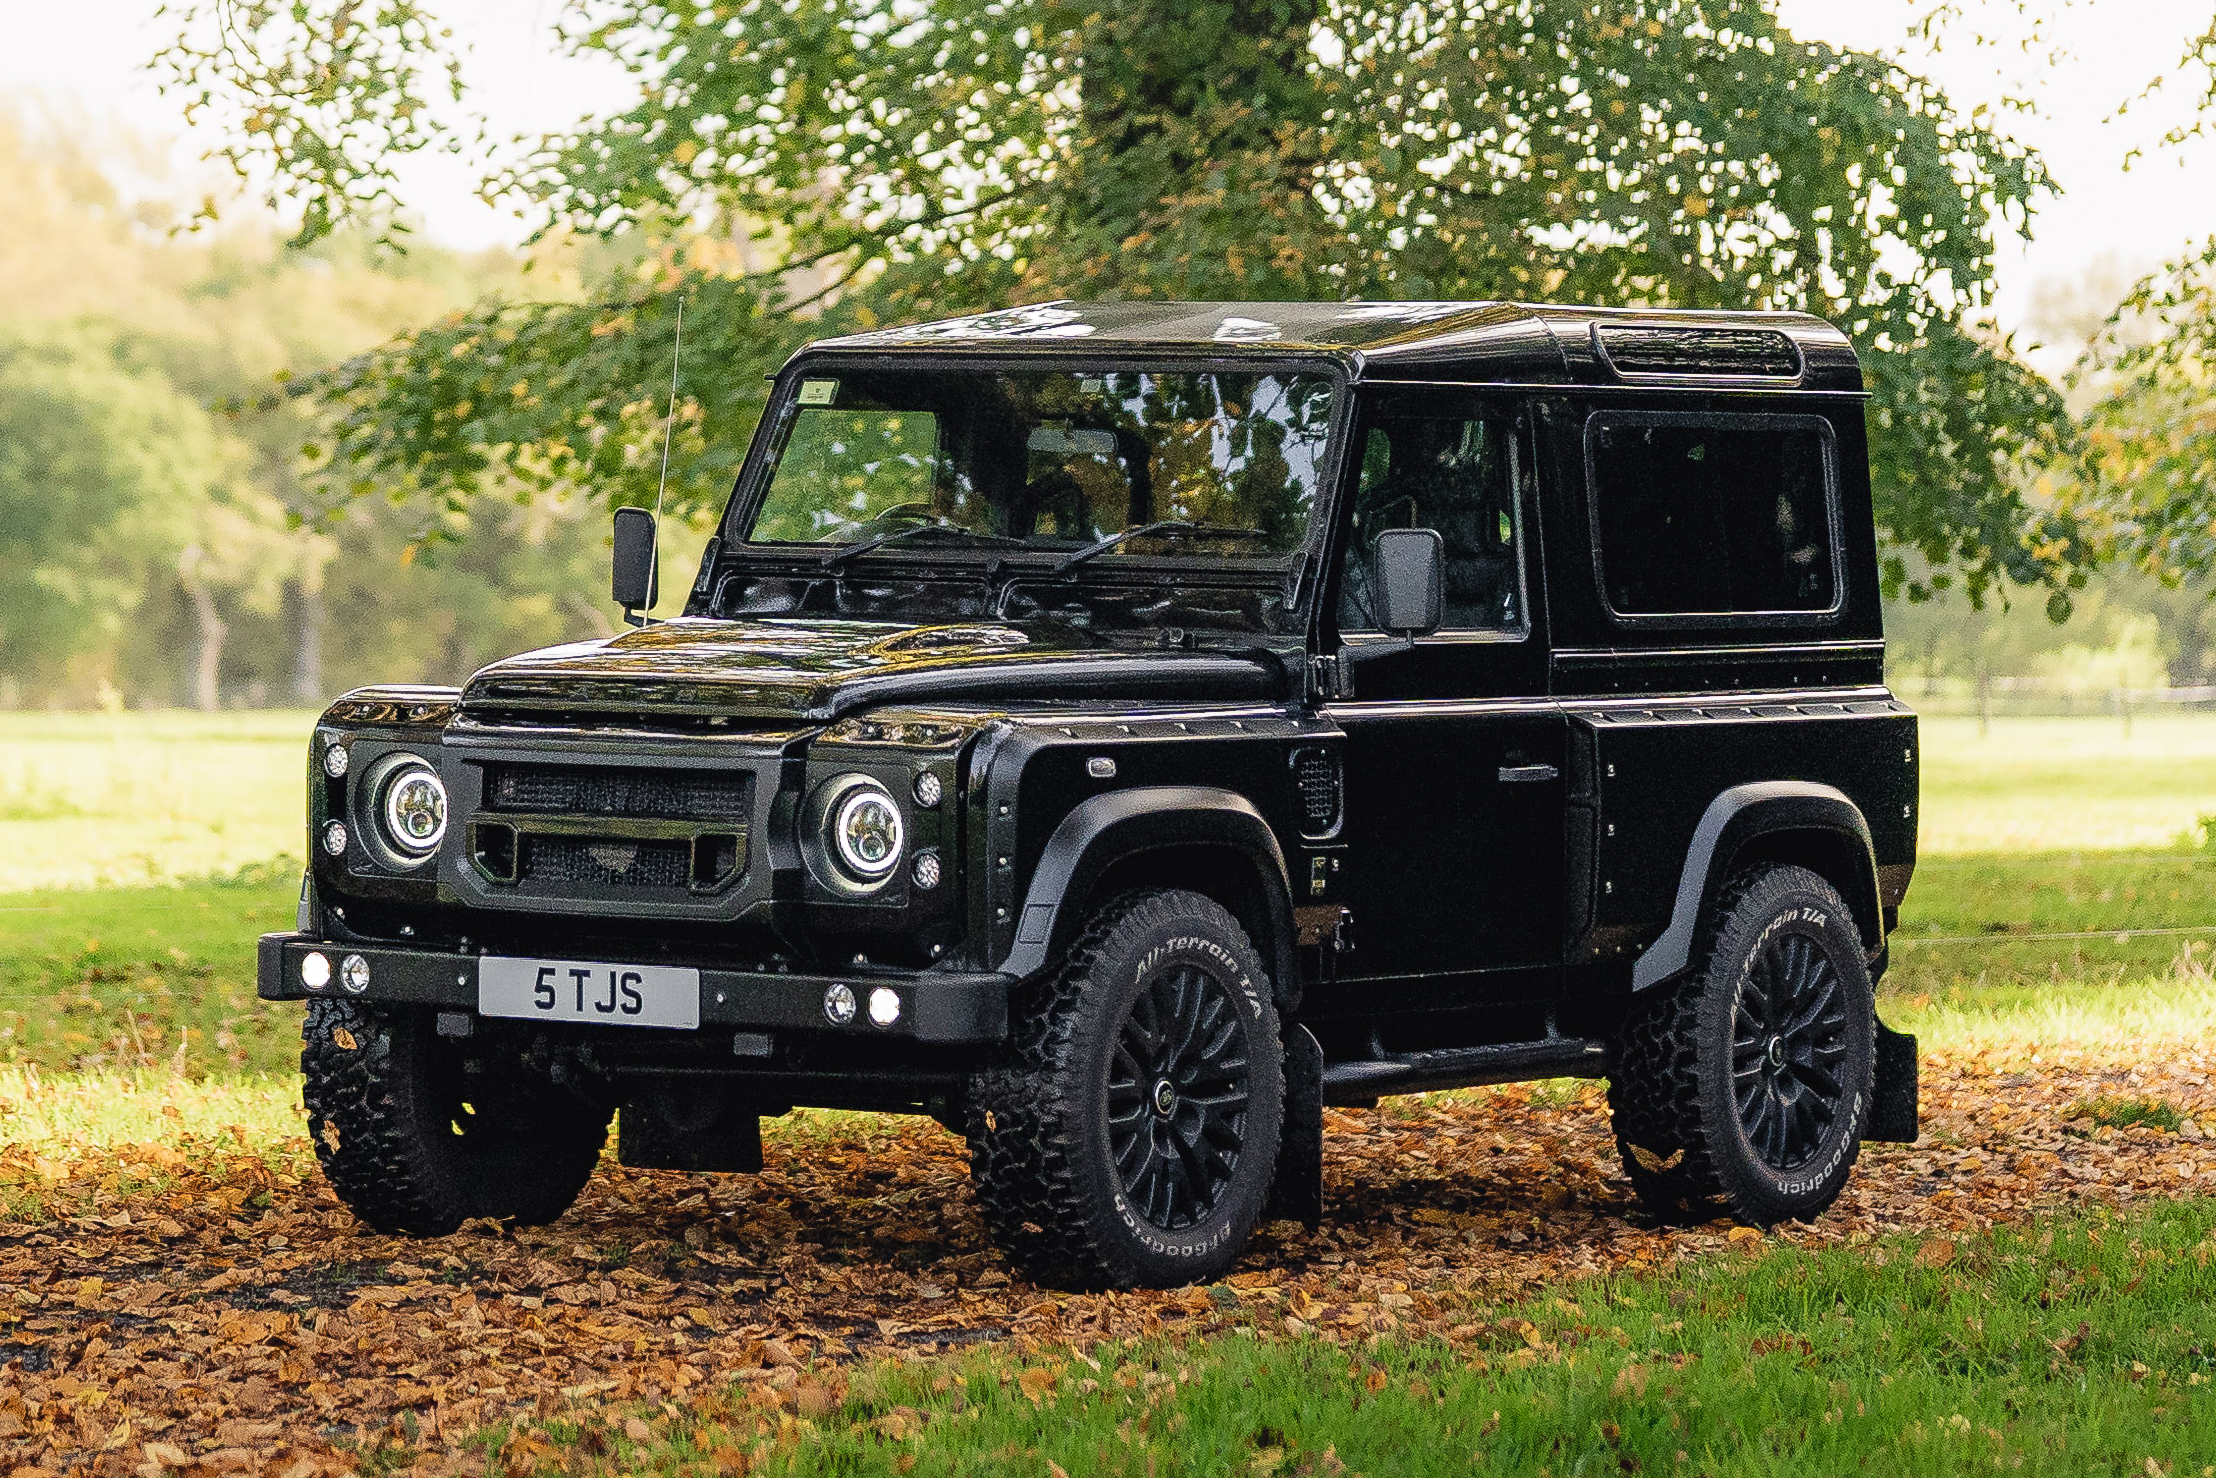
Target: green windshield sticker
818,392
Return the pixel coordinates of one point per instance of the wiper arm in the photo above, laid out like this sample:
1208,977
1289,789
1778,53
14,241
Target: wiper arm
837,558
1159,526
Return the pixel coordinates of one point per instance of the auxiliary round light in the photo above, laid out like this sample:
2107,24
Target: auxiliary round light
926,870
838,1004
929,789
866,830
334,838
413,809
354,974
884,1005
334,761
315,970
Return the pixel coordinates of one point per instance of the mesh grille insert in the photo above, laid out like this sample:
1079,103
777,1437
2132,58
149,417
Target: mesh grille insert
586,862
588,790
1317,776
1643,349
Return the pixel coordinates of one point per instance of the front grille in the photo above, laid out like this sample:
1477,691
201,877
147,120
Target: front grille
1316,774
584,862
594,790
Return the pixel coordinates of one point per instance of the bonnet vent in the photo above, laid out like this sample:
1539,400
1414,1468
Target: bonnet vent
1640,349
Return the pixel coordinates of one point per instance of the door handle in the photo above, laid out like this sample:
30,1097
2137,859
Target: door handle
1528,774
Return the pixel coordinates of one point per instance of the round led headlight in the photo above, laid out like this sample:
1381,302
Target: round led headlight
411,807
866,831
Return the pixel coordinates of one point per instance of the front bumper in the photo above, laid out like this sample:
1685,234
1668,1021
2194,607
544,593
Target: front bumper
935,1006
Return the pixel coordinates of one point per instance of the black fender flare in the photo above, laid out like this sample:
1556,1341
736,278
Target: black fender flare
1110,828
1735,818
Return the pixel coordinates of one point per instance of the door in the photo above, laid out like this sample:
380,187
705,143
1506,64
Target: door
1454,754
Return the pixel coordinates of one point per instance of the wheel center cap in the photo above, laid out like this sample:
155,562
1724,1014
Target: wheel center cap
1165,1098
1777,1052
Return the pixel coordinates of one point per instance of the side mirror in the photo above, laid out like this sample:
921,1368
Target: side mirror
635,583
1411,568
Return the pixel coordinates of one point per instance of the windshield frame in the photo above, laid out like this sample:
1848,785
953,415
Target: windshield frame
1033,563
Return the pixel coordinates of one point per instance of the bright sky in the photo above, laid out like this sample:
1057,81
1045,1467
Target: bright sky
84,59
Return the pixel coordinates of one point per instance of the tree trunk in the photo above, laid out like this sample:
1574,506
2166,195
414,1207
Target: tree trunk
307,652
207,689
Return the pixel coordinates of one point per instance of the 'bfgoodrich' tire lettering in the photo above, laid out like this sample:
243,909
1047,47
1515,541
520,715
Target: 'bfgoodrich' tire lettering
1052,1188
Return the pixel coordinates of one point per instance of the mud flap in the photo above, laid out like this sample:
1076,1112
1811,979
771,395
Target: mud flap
1296,1194
692,1130
1893,1106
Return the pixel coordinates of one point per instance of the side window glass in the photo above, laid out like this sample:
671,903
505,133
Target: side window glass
1713,515
1455,474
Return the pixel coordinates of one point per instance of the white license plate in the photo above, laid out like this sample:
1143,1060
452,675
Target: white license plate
575,990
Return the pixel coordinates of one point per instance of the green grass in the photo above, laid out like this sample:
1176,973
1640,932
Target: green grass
2075,1347
61,1115
2065,784
131,978
94,798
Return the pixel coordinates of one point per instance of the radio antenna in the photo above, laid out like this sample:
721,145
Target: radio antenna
669,423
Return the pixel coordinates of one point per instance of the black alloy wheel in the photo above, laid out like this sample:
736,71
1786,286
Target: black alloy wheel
1748,1080
1127,1136
1788,1042
1177,1097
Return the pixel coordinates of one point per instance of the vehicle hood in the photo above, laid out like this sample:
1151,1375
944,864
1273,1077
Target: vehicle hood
816,670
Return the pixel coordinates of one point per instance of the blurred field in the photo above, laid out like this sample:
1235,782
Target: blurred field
92,798
89,798
2046,827
2066,784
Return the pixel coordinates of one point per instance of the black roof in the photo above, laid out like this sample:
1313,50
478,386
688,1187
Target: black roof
1531,343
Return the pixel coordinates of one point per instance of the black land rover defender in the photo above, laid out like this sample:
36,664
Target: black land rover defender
1119,732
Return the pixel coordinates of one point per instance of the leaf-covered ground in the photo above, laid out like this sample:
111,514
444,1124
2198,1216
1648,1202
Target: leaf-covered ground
207,1307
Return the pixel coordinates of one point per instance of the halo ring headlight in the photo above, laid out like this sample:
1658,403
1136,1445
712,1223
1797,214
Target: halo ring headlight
409,802
867,832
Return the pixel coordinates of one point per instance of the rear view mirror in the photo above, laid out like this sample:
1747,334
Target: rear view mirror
635,582
1411,565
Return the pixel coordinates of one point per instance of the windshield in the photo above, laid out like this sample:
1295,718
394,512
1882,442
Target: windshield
1221,464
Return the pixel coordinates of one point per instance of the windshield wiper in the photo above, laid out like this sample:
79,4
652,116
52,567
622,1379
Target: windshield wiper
838,557
1159,526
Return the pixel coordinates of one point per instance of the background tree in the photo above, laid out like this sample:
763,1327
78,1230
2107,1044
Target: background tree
899,158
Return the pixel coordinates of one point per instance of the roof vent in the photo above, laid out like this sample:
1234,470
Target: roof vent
1638,350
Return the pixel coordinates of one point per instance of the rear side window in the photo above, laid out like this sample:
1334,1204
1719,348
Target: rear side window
1714,514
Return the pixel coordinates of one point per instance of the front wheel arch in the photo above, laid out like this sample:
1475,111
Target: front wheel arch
1212,841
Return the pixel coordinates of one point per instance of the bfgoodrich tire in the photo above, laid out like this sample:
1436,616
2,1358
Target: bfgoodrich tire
1128,1135
415,1143
1747,1083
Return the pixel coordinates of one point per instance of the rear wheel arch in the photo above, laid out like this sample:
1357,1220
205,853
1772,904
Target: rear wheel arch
1790,822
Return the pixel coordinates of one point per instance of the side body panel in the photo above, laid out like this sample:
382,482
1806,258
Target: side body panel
1646,773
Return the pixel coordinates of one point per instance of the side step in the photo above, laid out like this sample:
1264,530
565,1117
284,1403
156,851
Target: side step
1362,1081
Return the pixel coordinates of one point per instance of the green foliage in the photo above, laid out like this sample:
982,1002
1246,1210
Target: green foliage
866,163
103,467
330,94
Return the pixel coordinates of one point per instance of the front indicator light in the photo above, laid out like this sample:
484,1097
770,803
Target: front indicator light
334,838
884,1005
926,871
315,970
334,761
838,1004
354,974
